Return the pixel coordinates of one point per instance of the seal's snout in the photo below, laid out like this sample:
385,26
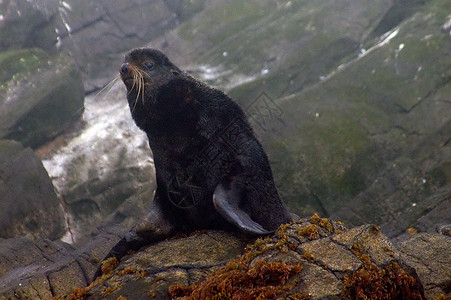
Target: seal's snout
124,69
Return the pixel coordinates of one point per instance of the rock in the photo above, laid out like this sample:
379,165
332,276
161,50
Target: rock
430,255
118,203
43,98
28,205
43,269
111,28
106,172
430,215
106,28
355,146
28,24
316,258
353,112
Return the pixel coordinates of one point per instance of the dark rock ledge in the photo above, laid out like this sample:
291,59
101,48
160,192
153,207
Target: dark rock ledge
310,259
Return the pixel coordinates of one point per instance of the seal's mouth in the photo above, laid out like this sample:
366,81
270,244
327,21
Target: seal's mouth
135,83
128,80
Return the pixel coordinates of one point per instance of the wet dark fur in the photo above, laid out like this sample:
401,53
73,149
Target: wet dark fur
199,138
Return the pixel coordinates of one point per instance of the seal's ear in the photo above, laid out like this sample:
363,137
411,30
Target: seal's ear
226,203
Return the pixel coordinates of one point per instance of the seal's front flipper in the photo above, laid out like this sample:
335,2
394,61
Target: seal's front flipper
226,203
130,242
155,227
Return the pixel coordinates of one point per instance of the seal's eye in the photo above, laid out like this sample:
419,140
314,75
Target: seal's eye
149,65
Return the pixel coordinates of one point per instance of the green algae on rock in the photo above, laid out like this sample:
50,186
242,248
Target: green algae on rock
43,97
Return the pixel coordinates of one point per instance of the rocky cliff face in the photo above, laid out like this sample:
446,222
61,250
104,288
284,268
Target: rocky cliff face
352,107
340,98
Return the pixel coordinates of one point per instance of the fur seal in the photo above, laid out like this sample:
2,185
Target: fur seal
211,171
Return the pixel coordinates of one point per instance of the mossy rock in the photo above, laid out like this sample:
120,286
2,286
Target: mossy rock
367,142
15,62
43,97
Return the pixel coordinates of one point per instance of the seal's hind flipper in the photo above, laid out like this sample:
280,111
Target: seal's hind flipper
226,203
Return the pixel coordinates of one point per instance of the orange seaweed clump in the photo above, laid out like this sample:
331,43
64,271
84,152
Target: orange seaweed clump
109,290
107,268
443,297
258,247
152,294
108,265
128,270
326,224
411,231
374,282
81,293
282,244
310,231
322,222
141,274
237,280
315,219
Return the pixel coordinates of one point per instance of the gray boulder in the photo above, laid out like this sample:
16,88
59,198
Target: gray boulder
43,97
98,33
44,269
28,24
430,256
104,168
28,205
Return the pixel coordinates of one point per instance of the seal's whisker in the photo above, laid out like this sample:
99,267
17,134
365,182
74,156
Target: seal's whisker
137,77
134,106
108,86
138,80
78,110
134,81
142,84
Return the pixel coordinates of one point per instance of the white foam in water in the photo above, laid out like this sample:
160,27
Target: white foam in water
109,135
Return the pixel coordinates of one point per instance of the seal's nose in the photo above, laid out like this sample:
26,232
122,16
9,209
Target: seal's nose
124,69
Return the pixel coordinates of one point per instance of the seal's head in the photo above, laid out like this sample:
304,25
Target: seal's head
160,95
144,72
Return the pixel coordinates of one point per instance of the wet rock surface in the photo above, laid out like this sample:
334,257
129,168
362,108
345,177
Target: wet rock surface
28,203
105,174
96,33
99,33
43,269
28,24
356,123
430,256
43,97
313,259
